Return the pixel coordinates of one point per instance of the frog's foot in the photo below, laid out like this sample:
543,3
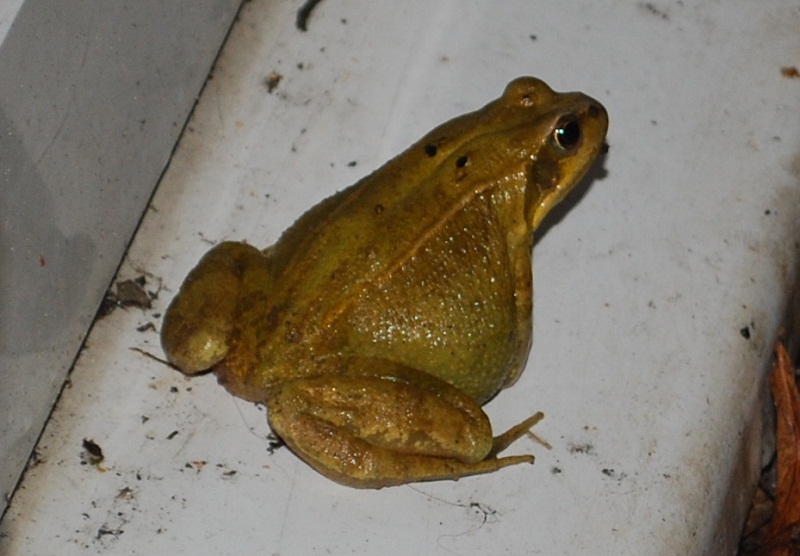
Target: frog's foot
371,432
198,323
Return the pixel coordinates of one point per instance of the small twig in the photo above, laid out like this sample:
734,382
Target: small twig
153,357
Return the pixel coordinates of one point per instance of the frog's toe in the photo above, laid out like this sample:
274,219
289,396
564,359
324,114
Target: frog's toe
503,441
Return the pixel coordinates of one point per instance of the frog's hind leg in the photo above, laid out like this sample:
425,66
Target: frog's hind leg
375,431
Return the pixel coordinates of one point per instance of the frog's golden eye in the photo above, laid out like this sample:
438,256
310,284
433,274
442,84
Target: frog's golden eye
567,133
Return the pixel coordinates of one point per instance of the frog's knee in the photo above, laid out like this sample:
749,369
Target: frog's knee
198,323
194,338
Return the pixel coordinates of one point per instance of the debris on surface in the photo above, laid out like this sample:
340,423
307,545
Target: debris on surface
780,534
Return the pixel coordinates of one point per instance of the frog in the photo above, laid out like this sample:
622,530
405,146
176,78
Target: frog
379,324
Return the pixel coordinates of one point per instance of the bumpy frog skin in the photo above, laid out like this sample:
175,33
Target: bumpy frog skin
381,321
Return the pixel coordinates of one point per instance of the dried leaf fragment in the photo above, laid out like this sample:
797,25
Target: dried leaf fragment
787,404
783,535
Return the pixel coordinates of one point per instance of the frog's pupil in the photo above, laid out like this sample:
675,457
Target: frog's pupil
567,134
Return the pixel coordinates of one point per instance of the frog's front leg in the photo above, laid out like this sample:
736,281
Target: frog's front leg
197,325
388,426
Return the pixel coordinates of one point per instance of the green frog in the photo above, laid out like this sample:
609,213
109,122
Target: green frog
382,320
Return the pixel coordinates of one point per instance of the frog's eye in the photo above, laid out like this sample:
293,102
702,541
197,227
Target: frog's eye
567,133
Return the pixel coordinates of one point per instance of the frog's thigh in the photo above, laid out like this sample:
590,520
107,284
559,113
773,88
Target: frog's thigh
372,432
198,322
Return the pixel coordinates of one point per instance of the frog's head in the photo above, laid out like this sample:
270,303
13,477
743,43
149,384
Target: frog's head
531,146
559,140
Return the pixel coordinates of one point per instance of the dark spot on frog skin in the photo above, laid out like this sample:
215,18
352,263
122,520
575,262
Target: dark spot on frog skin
462,161
430,150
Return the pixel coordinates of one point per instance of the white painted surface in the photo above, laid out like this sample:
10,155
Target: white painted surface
644,282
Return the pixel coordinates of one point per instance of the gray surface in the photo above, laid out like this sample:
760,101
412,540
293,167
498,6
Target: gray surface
93,97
